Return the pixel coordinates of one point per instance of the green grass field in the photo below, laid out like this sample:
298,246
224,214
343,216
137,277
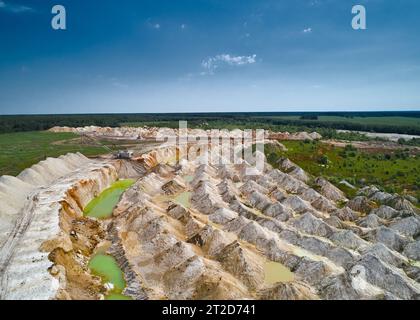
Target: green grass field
396,172
21,150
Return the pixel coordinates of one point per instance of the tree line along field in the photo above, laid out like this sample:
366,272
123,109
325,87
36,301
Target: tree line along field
357,120
408,123
386,122
398,171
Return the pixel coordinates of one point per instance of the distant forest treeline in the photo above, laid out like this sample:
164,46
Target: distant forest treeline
272,120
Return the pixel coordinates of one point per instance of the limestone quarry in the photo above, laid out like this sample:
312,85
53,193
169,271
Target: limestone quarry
180,229
147,133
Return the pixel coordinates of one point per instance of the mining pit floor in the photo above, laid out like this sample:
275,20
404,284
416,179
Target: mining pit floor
162,228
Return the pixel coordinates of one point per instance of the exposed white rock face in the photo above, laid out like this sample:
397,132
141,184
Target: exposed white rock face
389,237
144,133
206,200
381,197
412,199
279,212
386,212
250,186
15,191
330,191
409,227
24,265
400,203
315,136
293,169
312,225
386,255
347,184
348,239
290,291
318,201
277,144
395,281
360,203
388,200
173,186
287,182
368,191
301,228
302,136
346,214
349,287
371,221
300,174
412,250
286,165
223,216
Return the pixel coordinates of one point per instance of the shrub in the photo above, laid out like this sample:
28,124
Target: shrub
323,160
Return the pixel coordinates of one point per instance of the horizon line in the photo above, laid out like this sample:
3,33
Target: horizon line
212,113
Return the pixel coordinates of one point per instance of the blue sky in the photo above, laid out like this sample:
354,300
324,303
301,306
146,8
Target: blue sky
208,56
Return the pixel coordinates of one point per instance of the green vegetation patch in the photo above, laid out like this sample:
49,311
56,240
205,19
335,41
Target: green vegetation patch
21,150
117,296
397,171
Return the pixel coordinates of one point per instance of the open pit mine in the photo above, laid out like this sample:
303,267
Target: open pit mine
158,226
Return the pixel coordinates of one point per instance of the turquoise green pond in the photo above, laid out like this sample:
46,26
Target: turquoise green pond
188,178
117,296
184,199
106,267
103,265
102,206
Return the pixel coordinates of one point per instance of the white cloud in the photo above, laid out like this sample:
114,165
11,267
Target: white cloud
14,8
183,26
307,30
152,24
213,63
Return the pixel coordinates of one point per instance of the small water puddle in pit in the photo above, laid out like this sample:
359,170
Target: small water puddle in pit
188,178
102,206
103,265
184,199
106,267
117,296
276,272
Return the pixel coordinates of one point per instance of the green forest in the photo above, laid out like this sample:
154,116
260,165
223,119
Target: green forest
385,122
